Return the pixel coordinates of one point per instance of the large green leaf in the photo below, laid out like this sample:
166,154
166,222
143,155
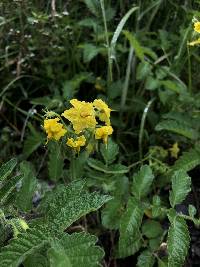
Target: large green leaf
142,182
28,186
181,186
65,205
19,248
178,241
188,161
130,236
7,168
78,250
178,128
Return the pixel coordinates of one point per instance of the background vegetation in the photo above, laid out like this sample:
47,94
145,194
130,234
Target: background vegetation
134,56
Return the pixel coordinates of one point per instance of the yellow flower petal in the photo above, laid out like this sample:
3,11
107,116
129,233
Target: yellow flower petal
195,42
82,115
103,133
103,110
54,129
197,26
76,144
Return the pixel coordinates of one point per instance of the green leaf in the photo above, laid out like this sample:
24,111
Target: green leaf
58,257
135,44
178,241
142,182
143,70
93,6
111,214
192,211
25,194
152,229
119,29
81,250
8,187
130,236
56,162
178,128
19,248
173,86
146,259
109,151
33,141
90,51
38,260
181,186
188,161
7,168
66,205
114,169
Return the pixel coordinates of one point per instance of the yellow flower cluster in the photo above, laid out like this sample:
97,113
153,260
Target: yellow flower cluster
197,30
83,116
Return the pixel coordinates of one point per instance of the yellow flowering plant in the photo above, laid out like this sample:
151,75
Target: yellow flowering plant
80,125
196,28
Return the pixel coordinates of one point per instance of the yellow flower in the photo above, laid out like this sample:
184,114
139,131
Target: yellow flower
76,144
82,115
54,129
104,110
195,42
103,133
197,26
174,150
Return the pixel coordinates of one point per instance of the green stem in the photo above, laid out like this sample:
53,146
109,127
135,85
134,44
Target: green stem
110,76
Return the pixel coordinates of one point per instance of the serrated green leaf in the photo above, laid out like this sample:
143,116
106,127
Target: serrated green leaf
145,259
56,162
81,250
178,128
28,186
111,214
188,161
67,204
8,188
177,242
130,236
109,151
38,260
181,186
7,168
19,248
142,182
58,257
135,44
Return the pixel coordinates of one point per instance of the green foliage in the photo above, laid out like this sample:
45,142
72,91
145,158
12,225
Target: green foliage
130,236
61,209
56,162
178,241
188,161
142,182
28,187
181,186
